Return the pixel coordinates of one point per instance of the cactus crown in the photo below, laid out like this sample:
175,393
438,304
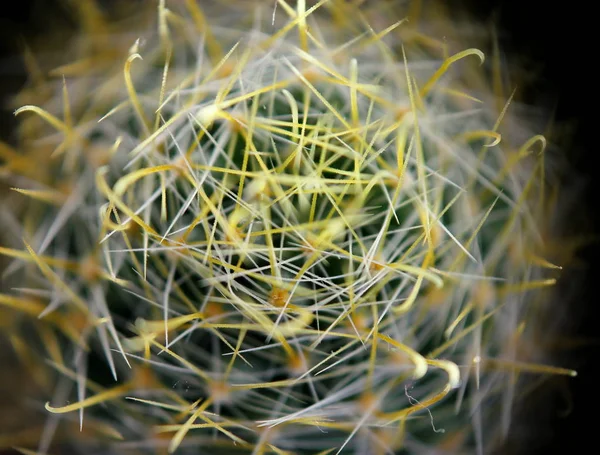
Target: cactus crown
314,230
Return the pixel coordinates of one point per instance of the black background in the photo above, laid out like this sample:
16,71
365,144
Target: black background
561,39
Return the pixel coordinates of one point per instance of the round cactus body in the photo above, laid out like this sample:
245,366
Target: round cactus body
277,228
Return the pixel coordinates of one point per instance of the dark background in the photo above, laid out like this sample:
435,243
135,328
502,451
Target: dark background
561,44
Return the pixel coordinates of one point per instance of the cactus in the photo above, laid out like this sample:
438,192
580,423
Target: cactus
276,228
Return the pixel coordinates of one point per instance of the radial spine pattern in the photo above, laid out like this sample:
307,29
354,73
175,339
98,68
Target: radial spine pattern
276,228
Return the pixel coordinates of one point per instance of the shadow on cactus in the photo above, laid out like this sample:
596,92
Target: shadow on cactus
276,228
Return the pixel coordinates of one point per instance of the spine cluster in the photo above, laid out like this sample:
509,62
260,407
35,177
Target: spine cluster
281,228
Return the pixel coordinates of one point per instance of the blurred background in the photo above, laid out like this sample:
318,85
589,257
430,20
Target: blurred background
557,45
